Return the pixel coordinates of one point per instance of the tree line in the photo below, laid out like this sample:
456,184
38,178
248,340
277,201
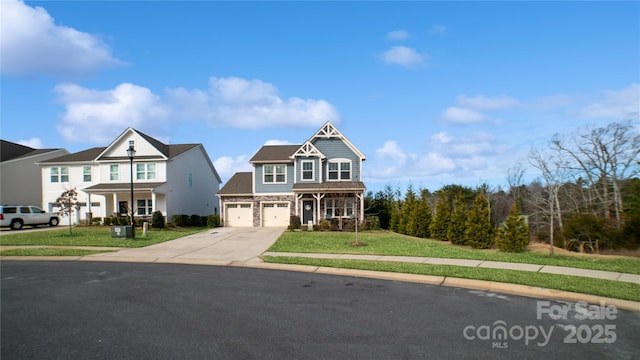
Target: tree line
586,196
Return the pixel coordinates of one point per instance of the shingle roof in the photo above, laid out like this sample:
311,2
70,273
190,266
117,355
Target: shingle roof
85,155
110,187
92,154
239,184
330,186
280,153
10,150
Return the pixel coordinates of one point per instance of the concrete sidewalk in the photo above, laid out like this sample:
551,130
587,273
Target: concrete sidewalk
598,274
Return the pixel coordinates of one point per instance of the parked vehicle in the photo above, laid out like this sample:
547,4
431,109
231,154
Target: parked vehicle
17,216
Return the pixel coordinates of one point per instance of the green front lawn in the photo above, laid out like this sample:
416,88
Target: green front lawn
599,287
50,252
389,243
93,236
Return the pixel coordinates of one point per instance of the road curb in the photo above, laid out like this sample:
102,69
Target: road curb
512,289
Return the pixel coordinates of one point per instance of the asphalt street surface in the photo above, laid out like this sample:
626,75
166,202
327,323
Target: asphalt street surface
104,310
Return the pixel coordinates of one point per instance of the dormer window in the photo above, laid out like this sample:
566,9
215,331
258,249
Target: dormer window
275,174
307,170
339,170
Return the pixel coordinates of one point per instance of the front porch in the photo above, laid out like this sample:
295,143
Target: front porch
318,202
146,199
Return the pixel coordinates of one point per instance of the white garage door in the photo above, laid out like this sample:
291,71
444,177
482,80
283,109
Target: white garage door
238,215
275,214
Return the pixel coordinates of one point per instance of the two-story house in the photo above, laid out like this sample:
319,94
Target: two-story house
20,179
317,180
172,178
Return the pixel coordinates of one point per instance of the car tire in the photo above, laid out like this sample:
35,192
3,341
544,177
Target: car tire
54,222
16,225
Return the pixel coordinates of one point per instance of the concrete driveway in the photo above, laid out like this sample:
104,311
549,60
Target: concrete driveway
214,246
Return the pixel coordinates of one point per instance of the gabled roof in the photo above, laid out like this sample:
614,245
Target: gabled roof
161,147
239,184
274,153
308,149
328,131
11,151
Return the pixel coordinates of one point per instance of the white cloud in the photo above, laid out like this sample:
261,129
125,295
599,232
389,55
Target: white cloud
404,56
462,116
32,43
252,104
35,143
398,35
445,157
484,103
617,105
227,166
278,142
99,116
391,150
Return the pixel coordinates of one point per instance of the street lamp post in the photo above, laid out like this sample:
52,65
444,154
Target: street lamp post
131,152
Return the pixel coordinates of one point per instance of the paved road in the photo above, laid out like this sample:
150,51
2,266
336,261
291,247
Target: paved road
103,310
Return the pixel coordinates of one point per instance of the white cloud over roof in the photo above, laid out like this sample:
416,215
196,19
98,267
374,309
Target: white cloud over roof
32,43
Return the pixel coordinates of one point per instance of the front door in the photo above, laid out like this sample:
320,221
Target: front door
307,212
123,208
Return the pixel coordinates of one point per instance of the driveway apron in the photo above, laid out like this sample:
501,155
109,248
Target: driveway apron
219,244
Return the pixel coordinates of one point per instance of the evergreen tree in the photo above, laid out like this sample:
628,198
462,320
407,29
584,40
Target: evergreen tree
420,217
406,224
513,235
479,232
440,222
456,228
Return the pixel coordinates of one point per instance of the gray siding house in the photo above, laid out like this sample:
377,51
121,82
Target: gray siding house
20,180
318,180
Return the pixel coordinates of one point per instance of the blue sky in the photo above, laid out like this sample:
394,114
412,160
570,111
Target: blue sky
433,93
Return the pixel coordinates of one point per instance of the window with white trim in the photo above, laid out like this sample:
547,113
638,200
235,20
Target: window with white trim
274,174
114,172
86,173
307,170
339,170
144,207
338,207
59,174
146,171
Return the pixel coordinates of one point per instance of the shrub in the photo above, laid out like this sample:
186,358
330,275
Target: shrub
513,235
157,220
180,220
374,222
325,225
213,221
294,222
195,220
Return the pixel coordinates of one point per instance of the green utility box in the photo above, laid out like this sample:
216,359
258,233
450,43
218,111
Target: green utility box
122,232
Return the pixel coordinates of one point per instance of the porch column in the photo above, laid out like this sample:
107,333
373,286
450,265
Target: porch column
116,210
361,197
297,205
153,202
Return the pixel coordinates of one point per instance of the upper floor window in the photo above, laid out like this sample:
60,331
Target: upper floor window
307,170
113,172
275,174
59,174
146,171
339,170
86,173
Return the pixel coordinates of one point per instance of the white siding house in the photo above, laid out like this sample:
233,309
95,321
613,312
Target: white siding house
174,179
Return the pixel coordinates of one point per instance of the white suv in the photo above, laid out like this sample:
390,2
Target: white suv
17,216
